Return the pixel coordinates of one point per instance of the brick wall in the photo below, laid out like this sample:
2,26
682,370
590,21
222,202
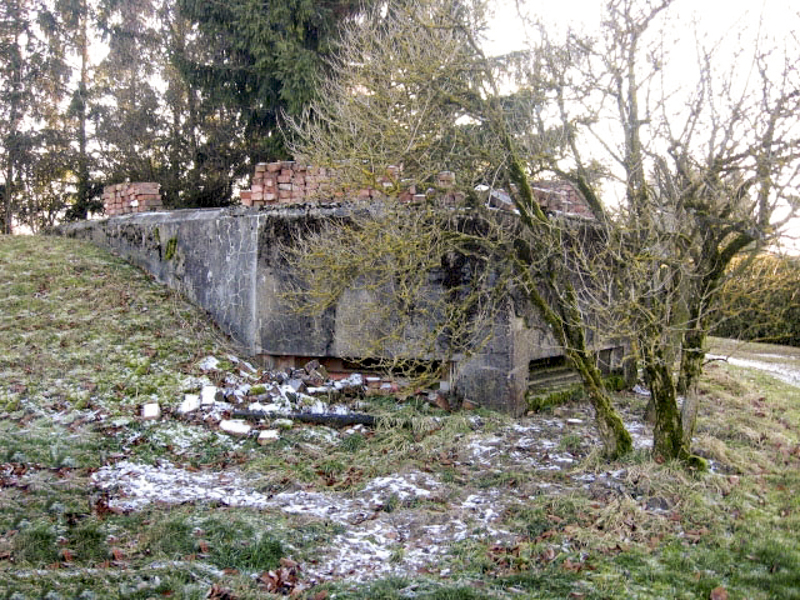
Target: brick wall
561,196
288,182
125,198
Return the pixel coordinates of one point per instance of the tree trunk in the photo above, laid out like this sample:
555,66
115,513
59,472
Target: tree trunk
616,439
691,367
669,441
81,210
667,431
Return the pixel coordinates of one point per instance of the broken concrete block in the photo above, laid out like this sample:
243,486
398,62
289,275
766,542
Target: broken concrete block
268,436
283,423
191,402
296,385
208,394
235,427
317,377
151,411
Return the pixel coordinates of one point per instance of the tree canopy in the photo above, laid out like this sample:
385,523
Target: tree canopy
187,94
703,168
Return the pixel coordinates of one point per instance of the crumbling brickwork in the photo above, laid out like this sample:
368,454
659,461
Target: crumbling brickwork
125,198
288,182
561,196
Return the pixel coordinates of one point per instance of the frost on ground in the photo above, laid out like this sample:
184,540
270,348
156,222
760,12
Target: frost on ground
396,524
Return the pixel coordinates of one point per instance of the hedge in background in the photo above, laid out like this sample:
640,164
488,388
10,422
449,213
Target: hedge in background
761,300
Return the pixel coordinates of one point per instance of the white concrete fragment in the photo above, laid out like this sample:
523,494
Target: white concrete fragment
283,423
209,363
323,389
355,379
268,436
191,402
208,394
235,426
151,411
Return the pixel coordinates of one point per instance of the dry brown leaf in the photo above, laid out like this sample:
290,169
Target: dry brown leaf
217,592
719,593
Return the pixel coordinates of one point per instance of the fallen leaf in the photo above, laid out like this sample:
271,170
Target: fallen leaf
548,555
568,565
217,592
719,593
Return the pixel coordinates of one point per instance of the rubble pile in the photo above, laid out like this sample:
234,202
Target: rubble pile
263,403
126,198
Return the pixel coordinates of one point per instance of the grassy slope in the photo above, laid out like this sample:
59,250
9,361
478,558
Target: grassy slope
84,336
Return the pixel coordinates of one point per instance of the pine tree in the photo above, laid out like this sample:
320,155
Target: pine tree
33,78
251,61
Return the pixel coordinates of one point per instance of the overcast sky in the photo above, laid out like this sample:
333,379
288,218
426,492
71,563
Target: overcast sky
772,20
779,17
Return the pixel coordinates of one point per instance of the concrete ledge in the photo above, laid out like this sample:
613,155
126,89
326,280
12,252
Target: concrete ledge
227,262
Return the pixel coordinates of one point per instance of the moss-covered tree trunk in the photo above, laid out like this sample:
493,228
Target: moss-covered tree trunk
691,369
616,439
668,441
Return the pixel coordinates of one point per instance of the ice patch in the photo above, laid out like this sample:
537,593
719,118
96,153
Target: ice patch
402,488
137,485
781,372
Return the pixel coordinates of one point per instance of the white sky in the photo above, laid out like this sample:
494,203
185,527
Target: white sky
773,20
715,16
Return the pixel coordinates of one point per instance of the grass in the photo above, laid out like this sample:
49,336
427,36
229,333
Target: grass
86,339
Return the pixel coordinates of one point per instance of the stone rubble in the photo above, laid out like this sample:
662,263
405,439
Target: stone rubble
278,394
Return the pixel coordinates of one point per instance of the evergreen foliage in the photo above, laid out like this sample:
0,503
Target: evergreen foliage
188,94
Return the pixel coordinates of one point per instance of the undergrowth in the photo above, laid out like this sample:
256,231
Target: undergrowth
86,339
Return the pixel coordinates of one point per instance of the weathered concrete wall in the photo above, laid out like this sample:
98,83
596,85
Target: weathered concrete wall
228,262
207,255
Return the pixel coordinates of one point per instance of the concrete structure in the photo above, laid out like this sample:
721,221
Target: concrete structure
227,261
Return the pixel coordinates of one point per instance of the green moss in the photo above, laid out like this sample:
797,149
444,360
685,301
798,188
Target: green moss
171,248
538,402
615,382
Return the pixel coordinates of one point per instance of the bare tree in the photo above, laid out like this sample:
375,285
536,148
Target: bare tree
704,169
412,94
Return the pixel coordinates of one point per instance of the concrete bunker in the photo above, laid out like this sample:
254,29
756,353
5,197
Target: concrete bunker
227,261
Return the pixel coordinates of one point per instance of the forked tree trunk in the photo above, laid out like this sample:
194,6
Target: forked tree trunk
667,429
668,436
